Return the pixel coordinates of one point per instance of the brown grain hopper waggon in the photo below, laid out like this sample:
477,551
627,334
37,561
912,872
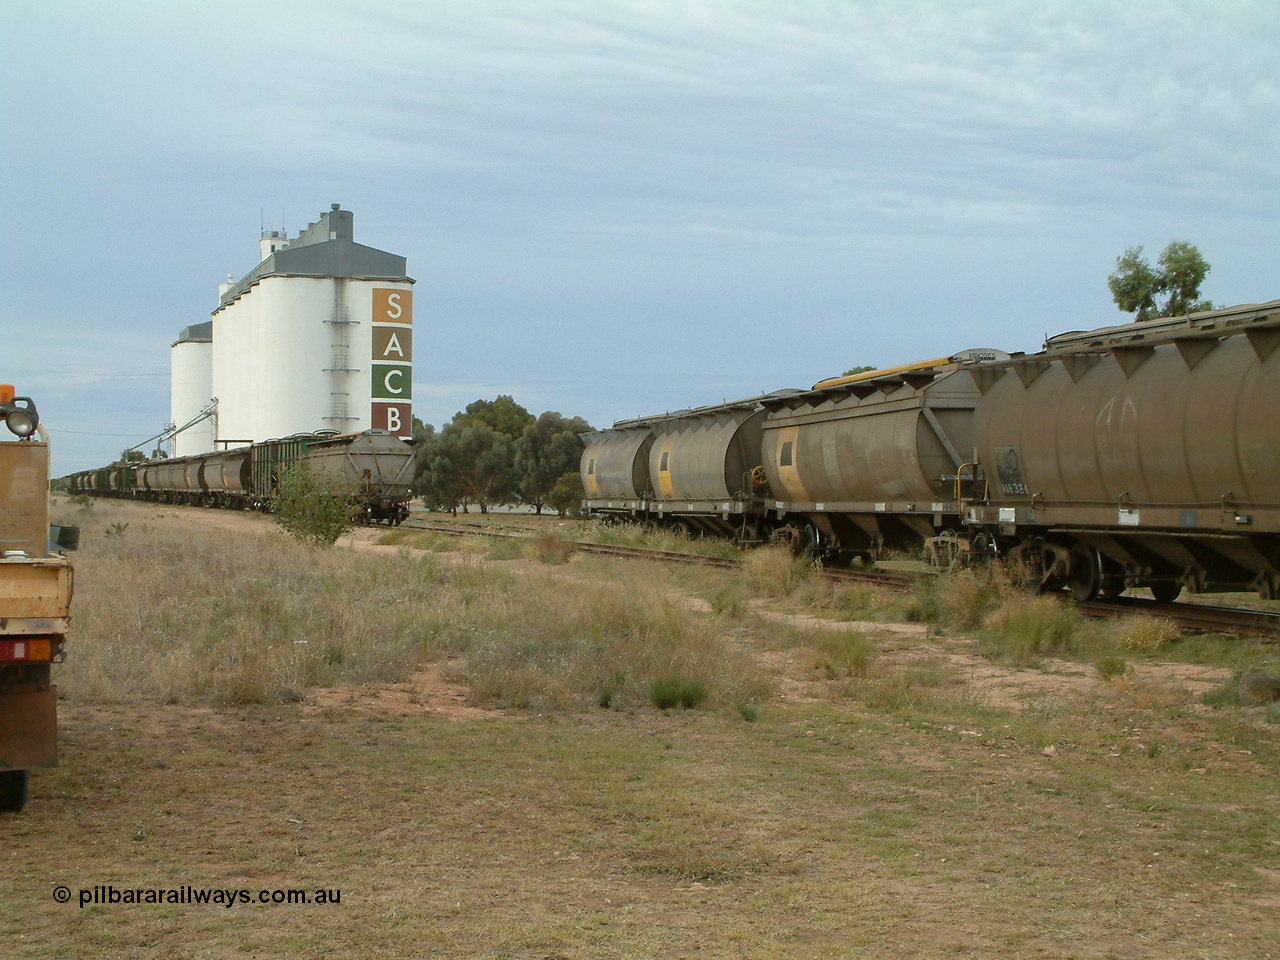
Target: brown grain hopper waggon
1137,455
377,464
873,460
1143,454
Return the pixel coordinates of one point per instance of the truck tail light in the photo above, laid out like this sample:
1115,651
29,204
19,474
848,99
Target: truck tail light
25,651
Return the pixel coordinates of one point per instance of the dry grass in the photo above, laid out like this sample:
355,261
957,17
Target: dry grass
638,535
776,572
880,806
165,613
522,644
1145,633
1022,629
550,546
171,611
837,654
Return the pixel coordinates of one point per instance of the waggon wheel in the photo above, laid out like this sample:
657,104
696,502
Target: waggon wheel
1112,587
1085,580
789,537
813,540
1166,591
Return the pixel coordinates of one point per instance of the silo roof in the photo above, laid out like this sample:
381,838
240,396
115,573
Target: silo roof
196,333
324,249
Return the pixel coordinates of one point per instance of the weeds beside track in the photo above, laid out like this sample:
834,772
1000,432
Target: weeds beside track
1197,617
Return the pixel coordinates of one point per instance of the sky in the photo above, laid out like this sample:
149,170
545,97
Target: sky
615,208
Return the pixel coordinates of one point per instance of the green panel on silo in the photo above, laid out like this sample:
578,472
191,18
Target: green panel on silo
392,381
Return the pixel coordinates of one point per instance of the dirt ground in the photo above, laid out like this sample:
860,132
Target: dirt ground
824,827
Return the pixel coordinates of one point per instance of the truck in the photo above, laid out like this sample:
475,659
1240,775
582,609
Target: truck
36,583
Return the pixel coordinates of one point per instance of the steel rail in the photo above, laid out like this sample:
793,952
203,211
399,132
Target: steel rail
463,528
1190,616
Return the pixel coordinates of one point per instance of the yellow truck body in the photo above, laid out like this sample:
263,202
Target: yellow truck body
35,611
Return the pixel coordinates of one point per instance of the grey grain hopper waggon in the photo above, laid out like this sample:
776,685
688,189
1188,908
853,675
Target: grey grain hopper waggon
695,470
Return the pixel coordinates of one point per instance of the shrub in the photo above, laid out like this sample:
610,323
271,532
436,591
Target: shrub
861,598
313,508
922,604
1260,688
964,599
914,687
610,689
1109,667
504,548
550,547
729,599
775,572
679,692
1023,628
1147,633
843,654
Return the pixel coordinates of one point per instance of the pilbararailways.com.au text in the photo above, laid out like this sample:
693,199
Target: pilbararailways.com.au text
110,894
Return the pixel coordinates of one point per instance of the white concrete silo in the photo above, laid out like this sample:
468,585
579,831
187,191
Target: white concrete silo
295,342
191,388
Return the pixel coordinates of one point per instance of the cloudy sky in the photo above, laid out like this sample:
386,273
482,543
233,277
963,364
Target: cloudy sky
618,208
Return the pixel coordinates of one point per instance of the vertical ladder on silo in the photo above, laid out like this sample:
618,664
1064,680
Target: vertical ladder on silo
340,362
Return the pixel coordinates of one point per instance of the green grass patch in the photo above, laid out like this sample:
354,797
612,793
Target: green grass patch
1025,628
683,692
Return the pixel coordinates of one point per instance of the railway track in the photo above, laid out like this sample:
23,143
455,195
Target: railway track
464,529
1190,616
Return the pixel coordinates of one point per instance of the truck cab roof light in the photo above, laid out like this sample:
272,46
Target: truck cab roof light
19,413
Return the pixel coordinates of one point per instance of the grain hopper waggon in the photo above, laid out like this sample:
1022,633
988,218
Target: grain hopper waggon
1141,455
1146,454
377,464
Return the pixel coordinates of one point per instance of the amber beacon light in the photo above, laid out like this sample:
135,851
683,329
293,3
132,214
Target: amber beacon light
19,413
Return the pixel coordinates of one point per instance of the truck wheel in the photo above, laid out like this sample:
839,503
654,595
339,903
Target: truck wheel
13,789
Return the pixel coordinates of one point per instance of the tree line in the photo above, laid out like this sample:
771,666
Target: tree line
496,451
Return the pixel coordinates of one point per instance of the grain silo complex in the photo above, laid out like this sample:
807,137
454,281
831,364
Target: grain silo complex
317,336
